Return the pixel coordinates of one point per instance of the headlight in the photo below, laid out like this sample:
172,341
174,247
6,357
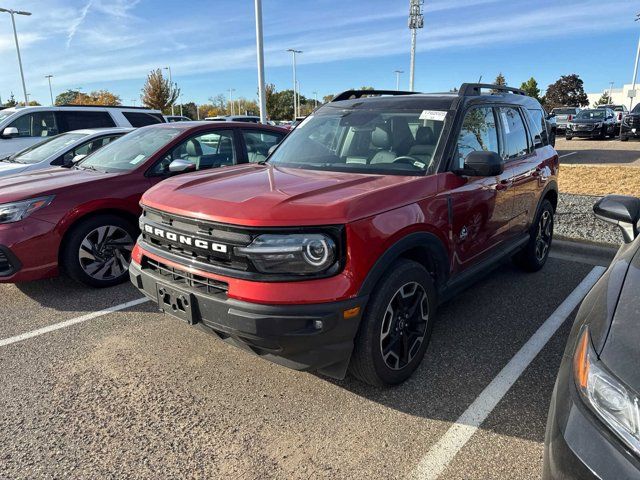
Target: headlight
292,254
613,402
13,212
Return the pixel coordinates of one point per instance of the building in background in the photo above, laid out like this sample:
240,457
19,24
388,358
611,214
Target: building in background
618,96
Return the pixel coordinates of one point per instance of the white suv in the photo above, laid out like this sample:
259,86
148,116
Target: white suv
21,127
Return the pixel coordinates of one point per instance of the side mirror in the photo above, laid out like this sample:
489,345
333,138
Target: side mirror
550,116
482,164
180,165
10,132
537,141
77,158
621,210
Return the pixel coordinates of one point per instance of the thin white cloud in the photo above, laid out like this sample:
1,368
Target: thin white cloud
73,28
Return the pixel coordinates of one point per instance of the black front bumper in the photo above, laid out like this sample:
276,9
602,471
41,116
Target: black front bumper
628,131
301,337
578,446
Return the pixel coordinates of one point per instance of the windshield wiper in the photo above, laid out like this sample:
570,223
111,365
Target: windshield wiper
86,167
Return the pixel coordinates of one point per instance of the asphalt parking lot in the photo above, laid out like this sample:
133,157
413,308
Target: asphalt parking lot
606,152
134,393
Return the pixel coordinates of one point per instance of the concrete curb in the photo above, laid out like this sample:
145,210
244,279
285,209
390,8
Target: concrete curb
583,251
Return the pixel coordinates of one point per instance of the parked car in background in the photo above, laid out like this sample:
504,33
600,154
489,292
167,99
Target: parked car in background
176,118
620,111
235,118
564,115
592,123
84,219
593,429
21,127
336,252
630,124
60,150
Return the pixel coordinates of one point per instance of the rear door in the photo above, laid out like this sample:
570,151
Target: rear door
524,155
481,208
78,119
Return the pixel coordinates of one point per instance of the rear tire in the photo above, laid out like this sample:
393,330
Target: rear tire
624,139
396,326
536,252
97,251
567,137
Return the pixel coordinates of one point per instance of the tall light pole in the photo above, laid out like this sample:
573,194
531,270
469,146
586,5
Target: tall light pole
48,77
315,100
398,72
15,36
416,21
635,71
170,88
298,86
295,82
231,109
133,101
262,100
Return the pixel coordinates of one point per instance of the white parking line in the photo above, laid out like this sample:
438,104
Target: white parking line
67,323
442,453
567,154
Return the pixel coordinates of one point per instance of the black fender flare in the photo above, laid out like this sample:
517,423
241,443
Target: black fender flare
551,186
428,241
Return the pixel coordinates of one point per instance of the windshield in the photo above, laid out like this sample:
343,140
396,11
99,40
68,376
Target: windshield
591,115
366,141
44,150
6,113
131,150
636,109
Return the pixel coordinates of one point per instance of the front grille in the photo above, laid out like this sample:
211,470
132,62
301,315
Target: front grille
179,276
632,121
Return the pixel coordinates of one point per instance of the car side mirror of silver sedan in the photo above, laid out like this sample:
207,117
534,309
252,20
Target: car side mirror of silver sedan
621,210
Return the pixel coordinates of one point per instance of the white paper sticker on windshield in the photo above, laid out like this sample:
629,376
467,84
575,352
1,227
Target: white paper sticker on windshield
137,159
433,115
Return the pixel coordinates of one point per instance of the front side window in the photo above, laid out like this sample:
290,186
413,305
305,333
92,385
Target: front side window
478,133
37,124
258,143
373,140
592,114
130,151
515,133
206,150
539,125
45,149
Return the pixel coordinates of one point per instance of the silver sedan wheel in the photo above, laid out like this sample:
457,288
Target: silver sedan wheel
105,252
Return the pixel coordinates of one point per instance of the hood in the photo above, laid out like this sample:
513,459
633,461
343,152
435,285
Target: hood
8,168
266,195
44,182
621,353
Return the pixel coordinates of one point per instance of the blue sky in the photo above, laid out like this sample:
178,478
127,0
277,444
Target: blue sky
210,45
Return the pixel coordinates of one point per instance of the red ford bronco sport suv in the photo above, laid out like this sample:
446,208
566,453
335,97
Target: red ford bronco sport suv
334,254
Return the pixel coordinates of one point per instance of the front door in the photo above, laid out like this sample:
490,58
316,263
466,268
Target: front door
481,208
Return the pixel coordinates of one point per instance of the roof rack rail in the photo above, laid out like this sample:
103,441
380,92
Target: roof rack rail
351,94
104,106
474,89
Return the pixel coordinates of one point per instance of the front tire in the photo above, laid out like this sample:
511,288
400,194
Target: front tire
396,326
536,252
568,137
97,251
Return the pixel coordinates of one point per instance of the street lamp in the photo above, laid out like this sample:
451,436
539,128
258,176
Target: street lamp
231,108
632,93
315,99
48,77
170,88
416,20
262,100
15,36
295,82
398,72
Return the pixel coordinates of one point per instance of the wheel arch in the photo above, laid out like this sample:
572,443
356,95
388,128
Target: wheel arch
550,193
422,247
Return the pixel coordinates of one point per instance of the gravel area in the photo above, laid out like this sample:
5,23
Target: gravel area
575,220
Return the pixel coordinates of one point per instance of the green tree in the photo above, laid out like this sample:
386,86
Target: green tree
67,97
158,93
97,97
568,90
500,80
605,99
328,98
11,102
531,88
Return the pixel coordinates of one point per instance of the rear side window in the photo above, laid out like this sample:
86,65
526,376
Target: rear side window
37,124
539,125
258,143
515,133
79,120
142,119
478,133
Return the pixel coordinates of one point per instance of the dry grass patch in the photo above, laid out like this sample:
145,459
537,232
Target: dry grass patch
599,180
